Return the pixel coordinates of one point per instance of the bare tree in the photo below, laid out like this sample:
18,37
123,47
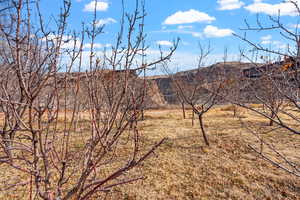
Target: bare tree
275,85
43,102
200,91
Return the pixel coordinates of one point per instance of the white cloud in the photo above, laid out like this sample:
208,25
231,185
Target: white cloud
213,31
279,45
164,43
186,17
230,4
101,6
184,27
266,42
295,26
180,31
266,39
208,32
102,22
96,46
285,8
68,41
196,34
71,44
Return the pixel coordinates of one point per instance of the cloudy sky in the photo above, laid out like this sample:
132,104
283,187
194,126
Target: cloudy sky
193,21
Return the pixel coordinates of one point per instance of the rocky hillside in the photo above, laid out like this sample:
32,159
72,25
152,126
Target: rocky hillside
166,86
160,90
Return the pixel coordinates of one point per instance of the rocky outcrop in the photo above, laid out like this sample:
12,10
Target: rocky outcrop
167,88
161,90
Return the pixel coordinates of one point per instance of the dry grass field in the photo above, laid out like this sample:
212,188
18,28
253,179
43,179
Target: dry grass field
184,168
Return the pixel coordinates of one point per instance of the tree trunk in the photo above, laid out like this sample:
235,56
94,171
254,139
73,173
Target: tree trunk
143,116
234,111
183,109
272,117
193,117
202,129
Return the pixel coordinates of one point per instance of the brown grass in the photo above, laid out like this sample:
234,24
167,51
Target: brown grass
184,168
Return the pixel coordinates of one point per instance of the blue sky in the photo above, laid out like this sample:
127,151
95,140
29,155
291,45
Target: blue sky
193,21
